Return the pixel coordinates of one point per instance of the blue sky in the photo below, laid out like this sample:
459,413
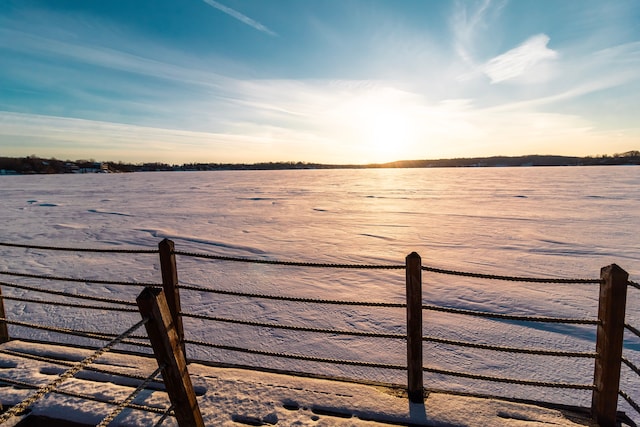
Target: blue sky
332,81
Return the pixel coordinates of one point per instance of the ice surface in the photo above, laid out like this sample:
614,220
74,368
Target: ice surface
237,397
543,222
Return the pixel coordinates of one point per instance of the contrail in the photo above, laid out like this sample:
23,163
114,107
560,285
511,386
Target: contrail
240,17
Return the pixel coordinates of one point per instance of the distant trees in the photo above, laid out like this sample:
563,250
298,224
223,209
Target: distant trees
33,164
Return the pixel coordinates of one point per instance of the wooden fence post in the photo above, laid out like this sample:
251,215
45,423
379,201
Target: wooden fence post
609,341
4,330
170,285
168,351
415,385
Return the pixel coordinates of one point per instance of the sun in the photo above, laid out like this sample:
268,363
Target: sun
390,134
383,126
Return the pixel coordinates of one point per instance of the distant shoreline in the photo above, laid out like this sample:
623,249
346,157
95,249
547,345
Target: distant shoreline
37,165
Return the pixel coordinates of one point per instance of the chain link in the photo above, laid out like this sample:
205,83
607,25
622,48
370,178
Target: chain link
633,330
123,404
71,305
631,365
541,319
507,278
290,263
386,267
97,250
634,284
67,363
118,409
122,338
68,294
630,401
68,373
294,328
80,280
293,299
314,264
69,393
166,414
505,349
75,332
509,380
541,352
297,356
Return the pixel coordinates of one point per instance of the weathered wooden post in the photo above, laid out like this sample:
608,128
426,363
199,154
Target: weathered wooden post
168,351
170,285
609,341
4,330
415,385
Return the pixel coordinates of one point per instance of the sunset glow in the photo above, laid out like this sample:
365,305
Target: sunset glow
331,82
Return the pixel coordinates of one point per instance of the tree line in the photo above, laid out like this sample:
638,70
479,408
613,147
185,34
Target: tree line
37,165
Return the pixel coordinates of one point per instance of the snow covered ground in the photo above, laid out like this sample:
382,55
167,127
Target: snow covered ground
236,397
543,222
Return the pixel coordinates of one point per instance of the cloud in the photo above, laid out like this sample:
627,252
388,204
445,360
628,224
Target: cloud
240,17
201,108
72,138
466,24
520,61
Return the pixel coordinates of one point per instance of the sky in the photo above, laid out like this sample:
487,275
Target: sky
329,81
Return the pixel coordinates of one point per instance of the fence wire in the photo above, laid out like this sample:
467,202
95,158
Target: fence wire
633,330
70,305
68,294
509,278
388,267
458,343
78,333
628,398
166,414
491,378
84,396
294,328
296,356
631,365
293,299
96,250
124,339
533,351
502,316
68,374
290,263
123,404
317,265
630,401
60,362
78,279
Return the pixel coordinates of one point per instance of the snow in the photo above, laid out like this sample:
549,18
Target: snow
236,397
542,222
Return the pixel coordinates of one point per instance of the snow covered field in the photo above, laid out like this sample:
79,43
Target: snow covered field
542,222
235,397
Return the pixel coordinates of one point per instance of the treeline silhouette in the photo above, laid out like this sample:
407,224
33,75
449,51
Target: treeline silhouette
36,165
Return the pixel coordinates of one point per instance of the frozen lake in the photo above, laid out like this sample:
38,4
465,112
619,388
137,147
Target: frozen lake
564,222
549,221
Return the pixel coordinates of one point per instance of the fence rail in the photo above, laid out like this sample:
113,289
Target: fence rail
41,391
613,283
76,279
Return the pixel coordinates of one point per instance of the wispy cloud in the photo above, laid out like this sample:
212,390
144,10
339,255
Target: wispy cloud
521,60
76,138
203,107
468,20
240,17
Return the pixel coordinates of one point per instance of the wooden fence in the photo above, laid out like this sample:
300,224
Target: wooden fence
609,342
